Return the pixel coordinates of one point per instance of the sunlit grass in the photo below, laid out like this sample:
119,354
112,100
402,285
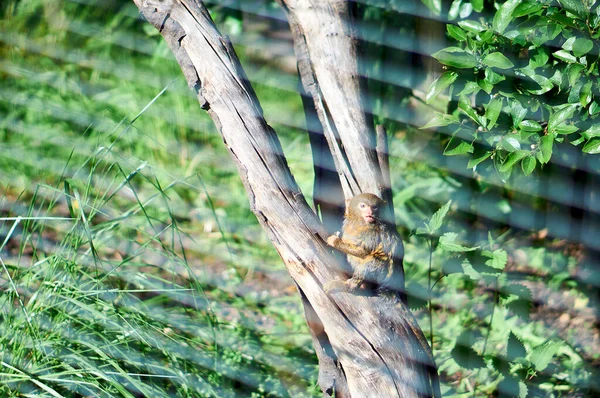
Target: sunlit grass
109,295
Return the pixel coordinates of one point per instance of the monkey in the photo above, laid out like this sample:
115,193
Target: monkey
373,247
375,252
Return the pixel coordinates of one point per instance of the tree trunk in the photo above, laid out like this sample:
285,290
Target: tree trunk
327,61
375,343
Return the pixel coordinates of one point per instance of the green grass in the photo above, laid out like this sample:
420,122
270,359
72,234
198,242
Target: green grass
129,271
106,295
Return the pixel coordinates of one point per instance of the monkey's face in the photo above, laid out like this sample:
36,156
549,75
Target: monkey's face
369,212
364,208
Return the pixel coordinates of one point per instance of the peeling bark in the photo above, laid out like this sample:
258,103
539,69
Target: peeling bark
326,53
376,343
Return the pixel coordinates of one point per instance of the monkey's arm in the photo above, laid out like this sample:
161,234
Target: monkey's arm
347,247
352,249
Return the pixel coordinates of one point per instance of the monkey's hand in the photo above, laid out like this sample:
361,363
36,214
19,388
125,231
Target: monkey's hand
334,240
347,247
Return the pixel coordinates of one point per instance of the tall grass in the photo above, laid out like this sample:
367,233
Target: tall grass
105,294
128,250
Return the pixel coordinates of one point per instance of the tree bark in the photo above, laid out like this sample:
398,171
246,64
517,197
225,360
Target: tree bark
326,52
376,342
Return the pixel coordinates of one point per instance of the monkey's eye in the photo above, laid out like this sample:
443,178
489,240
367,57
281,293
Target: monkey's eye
362,205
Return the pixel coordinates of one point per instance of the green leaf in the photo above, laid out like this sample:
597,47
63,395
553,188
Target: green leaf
504,176
520,308
564,56
517,111
578,141
456,58
528,165
487,37
470,271
510,144
454,10
447,242
477,5
568,44
585,95
582,46
513,158
438,217
485,85
453,265
515,348
475,161
440,84
575,7
574,73
543,354
546,143
530,126
467,357
592,132
554,30
461,149
457,33
74,208
560,116
526,8
566,129
592,146
539,58
493,77
498,258
440,120
544,83
470,88
471,26
465,105
493,111
510,386
516,37
434,5
503,16
574,92
421,231
557,77
518,290
501,365
497,60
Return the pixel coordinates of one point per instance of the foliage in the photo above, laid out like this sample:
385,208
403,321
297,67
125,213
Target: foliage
522,78
488,331
131,264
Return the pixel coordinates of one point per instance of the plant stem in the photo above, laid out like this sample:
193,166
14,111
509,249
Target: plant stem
430,306
487,335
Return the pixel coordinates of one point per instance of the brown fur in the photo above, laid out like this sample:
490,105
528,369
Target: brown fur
374,249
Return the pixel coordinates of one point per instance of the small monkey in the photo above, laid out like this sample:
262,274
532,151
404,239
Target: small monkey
373,248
